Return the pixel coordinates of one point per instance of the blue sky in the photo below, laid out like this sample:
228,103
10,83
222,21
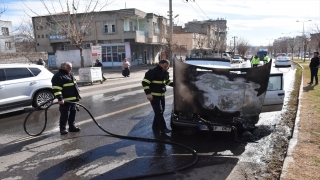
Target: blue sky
257,21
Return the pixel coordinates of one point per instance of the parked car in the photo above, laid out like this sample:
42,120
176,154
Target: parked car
24,85
280,55
222,97
282,61
236,59
248,57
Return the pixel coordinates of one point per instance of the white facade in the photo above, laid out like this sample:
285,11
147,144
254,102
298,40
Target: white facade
6,37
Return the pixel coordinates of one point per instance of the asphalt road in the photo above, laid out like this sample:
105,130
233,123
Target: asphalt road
120,106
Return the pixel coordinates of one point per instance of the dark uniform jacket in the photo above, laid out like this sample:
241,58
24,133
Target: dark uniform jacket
64,86
314,62
98,64
155,81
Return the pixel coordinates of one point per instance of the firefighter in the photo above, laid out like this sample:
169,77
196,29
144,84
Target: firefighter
154,84
255,61
66,90
265,59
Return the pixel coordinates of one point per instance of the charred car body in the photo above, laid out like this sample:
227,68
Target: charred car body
216,97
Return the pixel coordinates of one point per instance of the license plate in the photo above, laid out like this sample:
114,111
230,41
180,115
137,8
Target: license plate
215,128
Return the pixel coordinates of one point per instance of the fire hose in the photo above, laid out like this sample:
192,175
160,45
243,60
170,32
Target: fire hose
194,153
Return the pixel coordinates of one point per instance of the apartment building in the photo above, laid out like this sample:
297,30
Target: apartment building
6,38
213,33
124,33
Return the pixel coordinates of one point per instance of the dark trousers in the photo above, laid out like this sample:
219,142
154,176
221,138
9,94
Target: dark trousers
314,74
126,72
103,76
158,105
67,114
254,65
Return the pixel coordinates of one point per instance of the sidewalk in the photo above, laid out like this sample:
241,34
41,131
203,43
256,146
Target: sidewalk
113,73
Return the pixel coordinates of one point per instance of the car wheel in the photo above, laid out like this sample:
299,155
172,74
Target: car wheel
41,97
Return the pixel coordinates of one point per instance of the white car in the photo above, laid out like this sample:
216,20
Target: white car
236,59
210,95
23,85
282,61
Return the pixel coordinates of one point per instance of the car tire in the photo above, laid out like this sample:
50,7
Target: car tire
41,97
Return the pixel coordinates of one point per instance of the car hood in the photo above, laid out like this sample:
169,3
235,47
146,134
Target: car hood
215,91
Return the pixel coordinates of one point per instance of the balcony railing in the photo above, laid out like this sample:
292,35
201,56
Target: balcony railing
57,37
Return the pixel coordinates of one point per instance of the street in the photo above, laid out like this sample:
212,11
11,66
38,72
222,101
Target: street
120,106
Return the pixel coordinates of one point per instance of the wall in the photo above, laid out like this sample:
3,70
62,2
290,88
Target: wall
73,56
22,57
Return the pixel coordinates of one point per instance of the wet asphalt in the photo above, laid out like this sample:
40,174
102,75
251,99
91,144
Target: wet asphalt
119,105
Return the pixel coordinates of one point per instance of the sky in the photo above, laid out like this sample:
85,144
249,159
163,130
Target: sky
257,21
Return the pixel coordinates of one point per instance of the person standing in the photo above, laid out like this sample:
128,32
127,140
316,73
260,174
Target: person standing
41,62
66,90
99,64
314,64
125,68
255,61
154,84
265,59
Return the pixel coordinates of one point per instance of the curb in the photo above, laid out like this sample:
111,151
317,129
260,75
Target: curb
294,139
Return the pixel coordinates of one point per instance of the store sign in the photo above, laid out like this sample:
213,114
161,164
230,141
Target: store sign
96,52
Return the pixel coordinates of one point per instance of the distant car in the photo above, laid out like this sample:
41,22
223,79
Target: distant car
236,59
281,54
23,85
282,61
248,57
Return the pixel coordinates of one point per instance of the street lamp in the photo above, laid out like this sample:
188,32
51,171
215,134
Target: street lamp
304,58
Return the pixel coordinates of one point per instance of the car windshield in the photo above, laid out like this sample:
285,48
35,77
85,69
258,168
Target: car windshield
235,57
281,54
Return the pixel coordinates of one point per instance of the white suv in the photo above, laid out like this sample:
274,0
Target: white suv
24,85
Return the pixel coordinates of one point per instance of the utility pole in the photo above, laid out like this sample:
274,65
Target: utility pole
303,40
171,32
234,44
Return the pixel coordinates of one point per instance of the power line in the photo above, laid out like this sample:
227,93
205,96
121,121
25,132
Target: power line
201,10
195,10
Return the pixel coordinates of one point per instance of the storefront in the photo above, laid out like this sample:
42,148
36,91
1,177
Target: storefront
113,54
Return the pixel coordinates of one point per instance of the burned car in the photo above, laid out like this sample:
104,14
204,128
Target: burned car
209,94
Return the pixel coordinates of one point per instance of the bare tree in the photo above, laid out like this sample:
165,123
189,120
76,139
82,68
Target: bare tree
291,44
24,37
202,42
242,46
73,22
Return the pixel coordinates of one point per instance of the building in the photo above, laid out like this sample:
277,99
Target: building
124,33
185,42
6,38
210,36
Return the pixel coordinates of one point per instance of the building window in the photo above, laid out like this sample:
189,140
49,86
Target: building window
41,27
47,36
38,27
38,44
42,36
109,27
64,48
38,36
5,31
8,45
113,53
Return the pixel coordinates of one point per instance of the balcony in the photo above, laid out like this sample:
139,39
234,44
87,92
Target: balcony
57,38
139,36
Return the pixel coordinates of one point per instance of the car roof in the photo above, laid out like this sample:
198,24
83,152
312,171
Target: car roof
20,65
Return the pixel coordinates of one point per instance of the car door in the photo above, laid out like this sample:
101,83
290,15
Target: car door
2,89
21,84
275,94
